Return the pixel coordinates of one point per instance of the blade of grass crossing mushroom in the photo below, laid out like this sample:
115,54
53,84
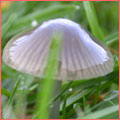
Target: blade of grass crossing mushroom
48,83
92,19
7,107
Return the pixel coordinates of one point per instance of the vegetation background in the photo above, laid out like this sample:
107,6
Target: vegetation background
85,99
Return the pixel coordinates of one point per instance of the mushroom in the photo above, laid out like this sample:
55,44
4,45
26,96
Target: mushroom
81,56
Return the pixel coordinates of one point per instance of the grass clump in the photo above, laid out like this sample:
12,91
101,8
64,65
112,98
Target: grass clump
95,98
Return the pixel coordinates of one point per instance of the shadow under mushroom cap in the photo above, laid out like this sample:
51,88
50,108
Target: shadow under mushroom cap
81,57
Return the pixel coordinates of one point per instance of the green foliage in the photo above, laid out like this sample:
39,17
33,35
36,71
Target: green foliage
85,99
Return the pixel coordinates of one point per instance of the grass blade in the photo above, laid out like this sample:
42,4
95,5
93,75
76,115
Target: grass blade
7,108
5,27
73,98
112,38
105,113
61,92
92,19
5,92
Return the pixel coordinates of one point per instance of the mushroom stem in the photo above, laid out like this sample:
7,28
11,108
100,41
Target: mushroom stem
55,107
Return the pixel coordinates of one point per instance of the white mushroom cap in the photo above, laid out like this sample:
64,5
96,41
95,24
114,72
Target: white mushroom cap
81,56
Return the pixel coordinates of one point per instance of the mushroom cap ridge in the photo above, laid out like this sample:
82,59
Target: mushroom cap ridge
81,56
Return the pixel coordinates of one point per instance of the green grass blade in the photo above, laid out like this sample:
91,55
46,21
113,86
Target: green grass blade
7,108
5,92
61,92
44,96
85,107
107,99
104,113
6,27
64,106
73,98
33,88
112,38
92,19
20,103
